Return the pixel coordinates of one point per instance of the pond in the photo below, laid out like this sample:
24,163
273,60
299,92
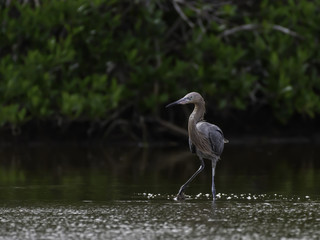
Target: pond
98,191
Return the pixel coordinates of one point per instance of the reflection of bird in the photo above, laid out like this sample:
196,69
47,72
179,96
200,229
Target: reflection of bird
205,139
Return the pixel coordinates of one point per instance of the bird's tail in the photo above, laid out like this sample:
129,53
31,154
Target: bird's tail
225,140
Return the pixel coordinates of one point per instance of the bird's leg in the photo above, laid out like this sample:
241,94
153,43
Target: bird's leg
180,195
213,189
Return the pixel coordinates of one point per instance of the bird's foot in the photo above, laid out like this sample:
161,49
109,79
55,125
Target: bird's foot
180,196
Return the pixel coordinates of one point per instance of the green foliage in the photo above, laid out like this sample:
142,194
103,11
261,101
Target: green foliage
82,59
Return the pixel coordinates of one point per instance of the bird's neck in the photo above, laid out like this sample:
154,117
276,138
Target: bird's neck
196,137
197,114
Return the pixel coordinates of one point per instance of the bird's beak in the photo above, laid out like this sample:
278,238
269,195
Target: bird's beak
180,101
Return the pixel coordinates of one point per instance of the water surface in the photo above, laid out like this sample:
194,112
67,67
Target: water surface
77,191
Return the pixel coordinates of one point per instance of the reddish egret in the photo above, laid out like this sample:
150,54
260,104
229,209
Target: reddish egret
205,139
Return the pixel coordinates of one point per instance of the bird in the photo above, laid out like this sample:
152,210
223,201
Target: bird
206,140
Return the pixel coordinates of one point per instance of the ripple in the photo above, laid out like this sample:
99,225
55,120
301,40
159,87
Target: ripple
235,216
228,197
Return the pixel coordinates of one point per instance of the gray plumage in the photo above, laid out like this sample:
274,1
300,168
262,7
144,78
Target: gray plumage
205,139
215,136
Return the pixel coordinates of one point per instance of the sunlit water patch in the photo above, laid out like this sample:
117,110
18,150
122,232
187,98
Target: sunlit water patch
163,219
228,197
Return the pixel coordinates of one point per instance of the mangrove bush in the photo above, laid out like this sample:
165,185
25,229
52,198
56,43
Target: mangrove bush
94,60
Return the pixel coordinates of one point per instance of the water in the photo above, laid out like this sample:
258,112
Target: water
162,219
72,191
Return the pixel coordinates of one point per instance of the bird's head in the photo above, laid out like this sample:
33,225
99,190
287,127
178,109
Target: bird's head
192,97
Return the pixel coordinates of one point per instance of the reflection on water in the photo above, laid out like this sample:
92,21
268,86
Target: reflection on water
97,172
94,191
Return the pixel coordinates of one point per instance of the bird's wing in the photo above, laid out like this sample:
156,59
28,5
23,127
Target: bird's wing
214,134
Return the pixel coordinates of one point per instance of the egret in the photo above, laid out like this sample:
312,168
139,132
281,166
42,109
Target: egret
206,140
